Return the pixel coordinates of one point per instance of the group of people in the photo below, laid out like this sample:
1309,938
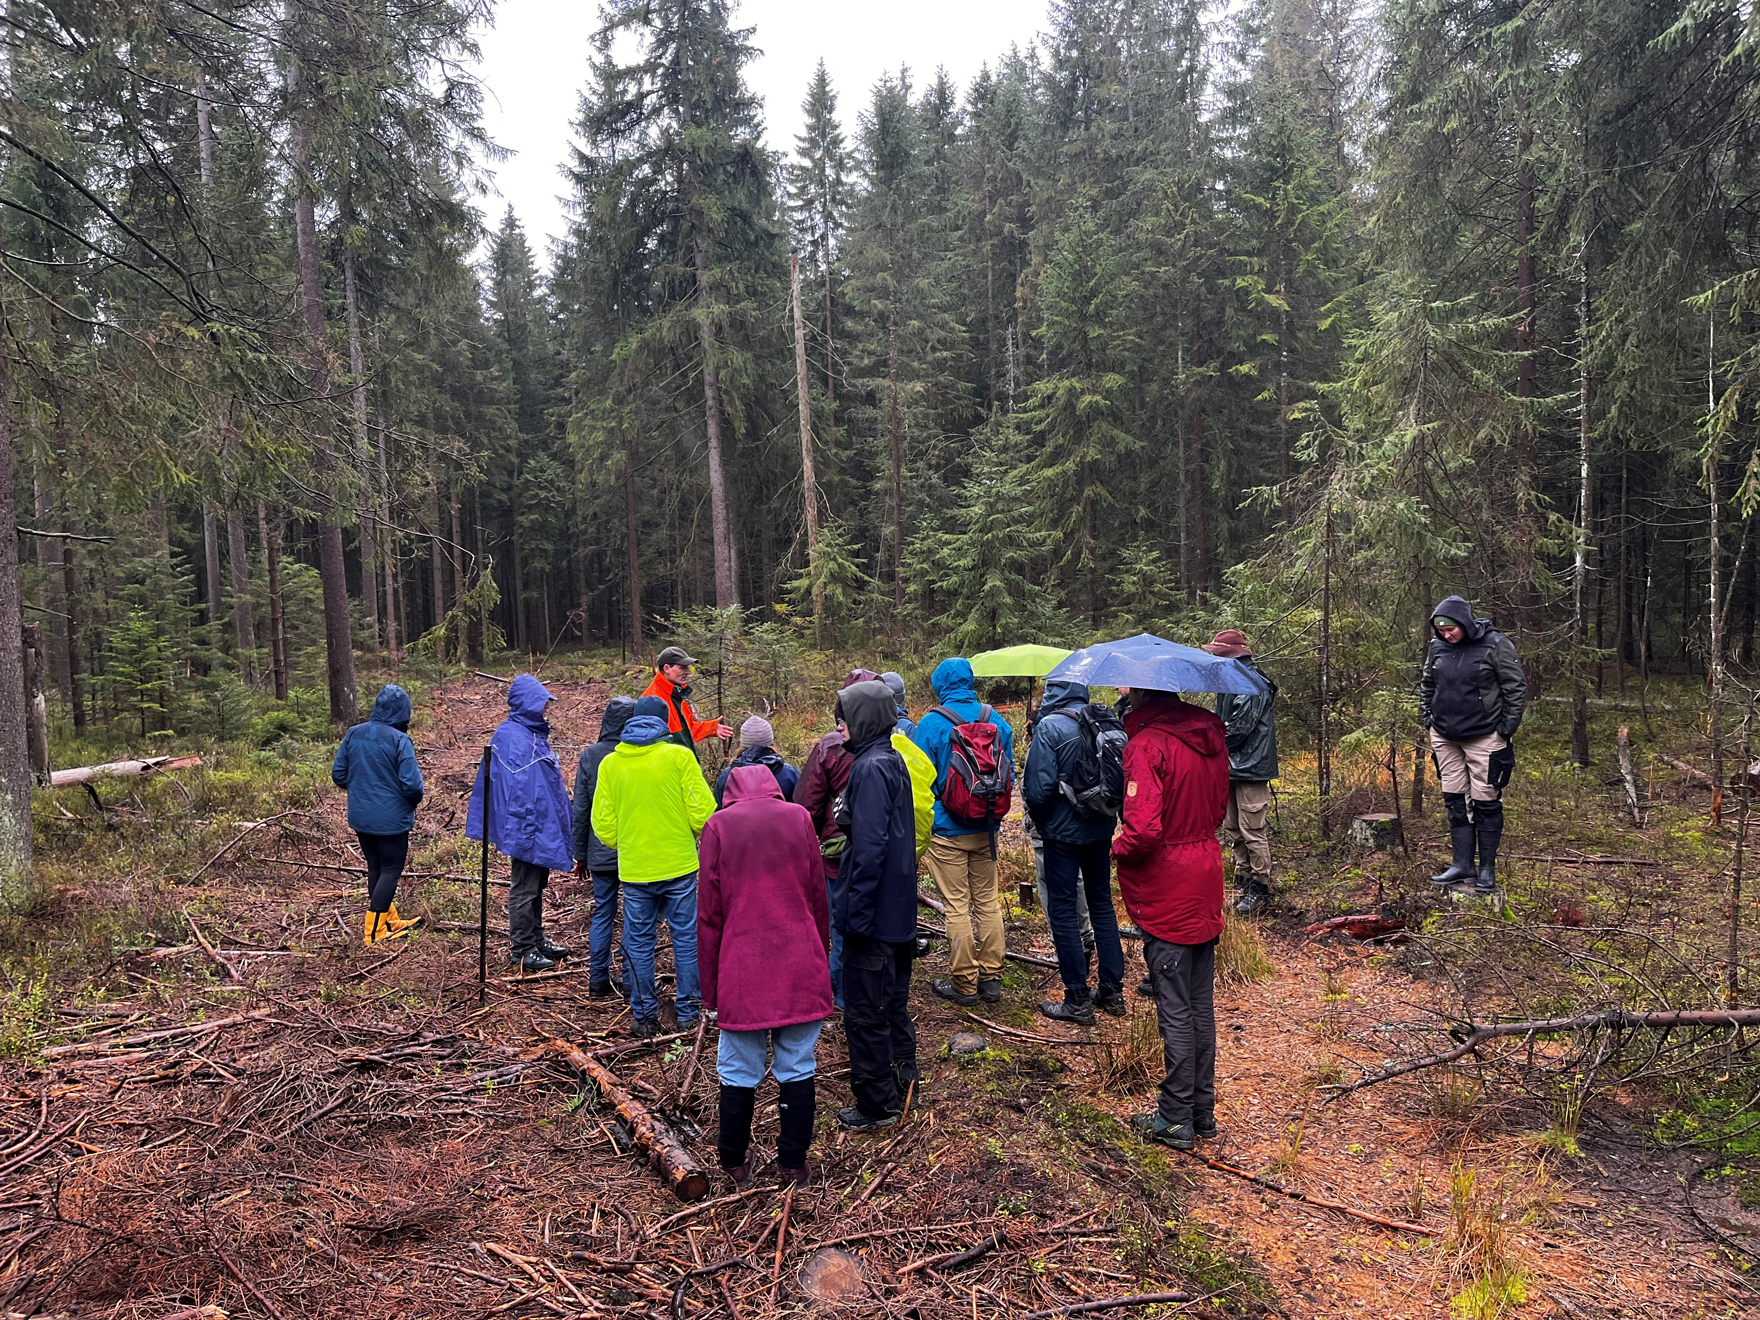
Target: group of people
791,893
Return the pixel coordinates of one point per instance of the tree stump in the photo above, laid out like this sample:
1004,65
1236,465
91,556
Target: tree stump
1378,832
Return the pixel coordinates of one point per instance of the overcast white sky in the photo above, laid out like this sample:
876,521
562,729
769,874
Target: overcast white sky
535,62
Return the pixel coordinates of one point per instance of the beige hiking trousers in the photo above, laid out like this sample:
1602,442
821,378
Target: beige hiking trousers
1465,767
1246,826
965,873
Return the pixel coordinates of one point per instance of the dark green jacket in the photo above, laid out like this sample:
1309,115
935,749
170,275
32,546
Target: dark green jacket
1475,687
1251,727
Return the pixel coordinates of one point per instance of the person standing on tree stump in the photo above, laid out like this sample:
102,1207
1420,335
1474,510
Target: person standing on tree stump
1251,725
1471,695
376,763
672,684
530,819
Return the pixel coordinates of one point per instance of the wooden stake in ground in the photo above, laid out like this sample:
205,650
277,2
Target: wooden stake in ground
483,896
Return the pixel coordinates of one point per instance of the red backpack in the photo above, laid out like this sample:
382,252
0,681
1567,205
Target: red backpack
979,787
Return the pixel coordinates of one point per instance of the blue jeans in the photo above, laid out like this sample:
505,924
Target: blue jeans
739,1059
836,950
1073,869
643,906
605,889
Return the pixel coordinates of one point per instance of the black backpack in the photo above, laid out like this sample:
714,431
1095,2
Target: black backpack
1095,783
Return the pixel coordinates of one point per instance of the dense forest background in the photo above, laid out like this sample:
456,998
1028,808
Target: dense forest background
1292,314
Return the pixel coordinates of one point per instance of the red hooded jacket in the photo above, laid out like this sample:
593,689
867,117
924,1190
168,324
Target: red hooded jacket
1175,795
763,925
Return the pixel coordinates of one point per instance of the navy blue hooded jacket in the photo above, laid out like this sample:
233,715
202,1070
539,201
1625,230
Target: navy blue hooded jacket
529,816
952,682
876,893
787,777
376,763
1057,741
587,846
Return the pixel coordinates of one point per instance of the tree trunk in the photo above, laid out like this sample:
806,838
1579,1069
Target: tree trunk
357,365
54,592
1526,369
271,539
1580,561
17,874
1323,743
216,605
830,340
388,548
338,644
897,469
726,569
1714,567
809,485
437,563
70,591
244,628
1179,426
635,552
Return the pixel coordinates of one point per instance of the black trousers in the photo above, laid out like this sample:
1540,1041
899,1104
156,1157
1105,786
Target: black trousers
877,1023
1185,1006
525,906
386,855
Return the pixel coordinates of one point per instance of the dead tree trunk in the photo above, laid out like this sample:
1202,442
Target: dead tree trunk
671,1160
36,702
726,568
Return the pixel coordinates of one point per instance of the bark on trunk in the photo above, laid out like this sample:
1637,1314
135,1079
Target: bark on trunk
1526,370
436,563
338,644
357,365
54,593
726,570
676,1165
635,552
809,483
17,876
271,539
244,626
1580,562
897,470
216,605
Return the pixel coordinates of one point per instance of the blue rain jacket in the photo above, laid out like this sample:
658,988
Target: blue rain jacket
952,681
376,763
529,818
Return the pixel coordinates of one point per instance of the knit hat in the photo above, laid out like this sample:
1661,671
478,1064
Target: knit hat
756,732
654,706
1443,621
860,676
1230,643
895,681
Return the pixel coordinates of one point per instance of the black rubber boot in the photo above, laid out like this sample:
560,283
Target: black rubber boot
733,1135
796,1106
1460,835
1488,822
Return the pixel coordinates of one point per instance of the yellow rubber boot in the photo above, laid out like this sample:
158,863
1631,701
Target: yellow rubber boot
398,924
376,928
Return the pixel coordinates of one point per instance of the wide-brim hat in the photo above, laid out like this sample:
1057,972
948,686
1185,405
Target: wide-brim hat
1230,643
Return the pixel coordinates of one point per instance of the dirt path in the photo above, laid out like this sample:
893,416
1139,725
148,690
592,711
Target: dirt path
353,1132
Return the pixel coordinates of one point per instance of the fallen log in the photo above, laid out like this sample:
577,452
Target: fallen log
1359,926
676,1166
1026,958
1613,1020
85,774
997,1241
1258,1181
1584,859
1699,777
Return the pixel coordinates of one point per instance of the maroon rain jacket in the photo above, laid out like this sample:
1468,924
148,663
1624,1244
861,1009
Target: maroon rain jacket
823,777
1175,795
763,929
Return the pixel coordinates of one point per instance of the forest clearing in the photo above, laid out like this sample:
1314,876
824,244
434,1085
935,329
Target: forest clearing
219,1098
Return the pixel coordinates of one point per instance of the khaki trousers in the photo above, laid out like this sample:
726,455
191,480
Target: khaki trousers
1246,827
965,873
1465,767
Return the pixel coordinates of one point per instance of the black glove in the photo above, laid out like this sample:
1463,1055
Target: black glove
1503,765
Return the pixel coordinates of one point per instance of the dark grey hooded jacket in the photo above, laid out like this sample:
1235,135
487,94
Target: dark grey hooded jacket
1057,743
586,778
1474,687
1251,726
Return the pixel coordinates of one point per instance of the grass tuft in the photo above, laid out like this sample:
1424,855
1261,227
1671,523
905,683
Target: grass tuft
1240,955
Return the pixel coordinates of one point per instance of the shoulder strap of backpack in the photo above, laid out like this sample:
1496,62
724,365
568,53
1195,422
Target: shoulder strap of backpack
945,714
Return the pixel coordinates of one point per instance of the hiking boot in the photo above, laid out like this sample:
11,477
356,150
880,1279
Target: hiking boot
604,990
1254,896
533,961
1146,987
644,1028
1063,1010
1112,1001
1153,1127
854,1120
555,952
990,991
800,1177
741,1174
1204,1124
947,990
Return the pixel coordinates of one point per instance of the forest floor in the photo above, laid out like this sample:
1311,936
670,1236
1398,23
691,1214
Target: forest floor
218,1097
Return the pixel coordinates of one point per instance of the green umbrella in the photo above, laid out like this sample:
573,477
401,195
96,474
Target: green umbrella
1026,661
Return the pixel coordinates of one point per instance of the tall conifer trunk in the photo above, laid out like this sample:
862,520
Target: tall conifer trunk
726,568
17,874
357,365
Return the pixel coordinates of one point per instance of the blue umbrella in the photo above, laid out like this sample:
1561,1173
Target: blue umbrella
1146,661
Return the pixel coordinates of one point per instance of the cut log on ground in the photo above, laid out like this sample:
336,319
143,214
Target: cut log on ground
85,774
677,1168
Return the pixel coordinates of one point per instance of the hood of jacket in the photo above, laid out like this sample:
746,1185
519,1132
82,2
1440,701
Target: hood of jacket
1196,727
868,713
643,731
1456,608
617,714
952,681
749,783
391,707
526,699
1062,692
